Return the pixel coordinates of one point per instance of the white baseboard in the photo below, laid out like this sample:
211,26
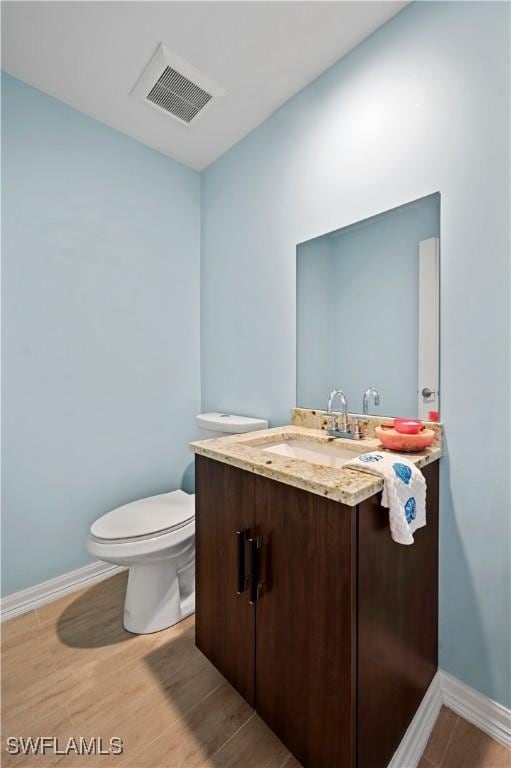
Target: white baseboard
48,591
491,717
416,737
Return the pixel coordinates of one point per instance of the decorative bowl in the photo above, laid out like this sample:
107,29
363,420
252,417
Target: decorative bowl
397,441
407,426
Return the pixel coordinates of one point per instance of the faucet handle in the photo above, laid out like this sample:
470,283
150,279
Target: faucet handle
332,423
357,428
343,423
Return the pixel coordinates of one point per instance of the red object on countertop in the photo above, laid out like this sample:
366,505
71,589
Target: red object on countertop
407,426
397,441
434,416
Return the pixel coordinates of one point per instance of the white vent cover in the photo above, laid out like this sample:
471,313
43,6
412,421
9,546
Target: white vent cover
172,86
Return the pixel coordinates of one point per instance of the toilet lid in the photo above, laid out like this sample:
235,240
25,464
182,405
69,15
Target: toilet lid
154,515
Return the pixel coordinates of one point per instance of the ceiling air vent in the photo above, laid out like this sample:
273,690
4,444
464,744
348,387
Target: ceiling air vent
171,85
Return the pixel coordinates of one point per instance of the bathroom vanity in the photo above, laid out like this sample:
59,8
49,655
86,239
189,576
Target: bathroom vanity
324,624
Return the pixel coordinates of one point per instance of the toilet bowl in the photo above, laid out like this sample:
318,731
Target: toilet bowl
155,539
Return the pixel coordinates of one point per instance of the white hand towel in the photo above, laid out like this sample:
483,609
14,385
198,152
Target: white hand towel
404,491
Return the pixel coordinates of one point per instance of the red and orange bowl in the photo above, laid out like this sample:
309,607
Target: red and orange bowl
408,426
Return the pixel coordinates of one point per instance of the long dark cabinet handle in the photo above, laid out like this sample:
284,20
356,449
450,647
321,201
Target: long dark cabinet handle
242,580
256,587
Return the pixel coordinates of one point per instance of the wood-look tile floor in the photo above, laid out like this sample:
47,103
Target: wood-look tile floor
69,669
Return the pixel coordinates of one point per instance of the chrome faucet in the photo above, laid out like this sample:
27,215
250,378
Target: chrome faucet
370,392
342,427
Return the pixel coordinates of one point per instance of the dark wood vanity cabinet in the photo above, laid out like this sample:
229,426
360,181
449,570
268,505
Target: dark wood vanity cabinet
337,647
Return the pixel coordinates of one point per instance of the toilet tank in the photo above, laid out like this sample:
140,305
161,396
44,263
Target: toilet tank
223,424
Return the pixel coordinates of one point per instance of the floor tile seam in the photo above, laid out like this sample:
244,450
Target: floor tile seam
231,737
122,668
449,741
180,719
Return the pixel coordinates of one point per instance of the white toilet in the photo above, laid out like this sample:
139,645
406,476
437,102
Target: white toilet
155,539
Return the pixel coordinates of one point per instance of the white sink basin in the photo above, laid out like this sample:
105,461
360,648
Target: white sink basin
331,455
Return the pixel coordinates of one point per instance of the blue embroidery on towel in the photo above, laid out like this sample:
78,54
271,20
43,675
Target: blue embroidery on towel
368,457
403,472
410,509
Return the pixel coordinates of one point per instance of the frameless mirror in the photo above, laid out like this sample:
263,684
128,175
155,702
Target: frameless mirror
368,312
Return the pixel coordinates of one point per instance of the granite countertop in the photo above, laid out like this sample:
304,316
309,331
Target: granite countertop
348,486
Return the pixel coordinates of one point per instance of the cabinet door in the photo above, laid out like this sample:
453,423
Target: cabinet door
305,630
225,620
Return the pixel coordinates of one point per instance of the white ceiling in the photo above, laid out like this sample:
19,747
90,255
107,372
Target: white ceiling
90,54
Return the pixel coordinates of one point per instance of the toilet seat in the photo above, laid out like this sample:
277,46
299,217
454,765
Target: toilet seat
144,519
157,546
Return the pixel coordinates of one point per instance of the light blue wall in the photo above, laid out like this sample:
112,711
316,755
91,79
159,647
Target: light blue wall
421,106
101,358
363,287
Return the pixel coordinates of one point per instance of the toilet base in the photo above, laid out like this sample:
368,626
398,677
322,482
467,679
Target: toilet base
158,596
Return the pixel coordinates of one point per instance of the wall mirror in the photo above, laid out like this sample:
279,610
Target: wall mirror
368,312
